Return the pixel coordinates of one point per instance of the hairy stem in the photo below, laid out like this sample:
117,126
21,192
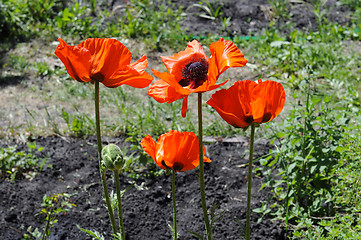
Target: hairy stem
102,169
174,207
248,225
201,169
120,210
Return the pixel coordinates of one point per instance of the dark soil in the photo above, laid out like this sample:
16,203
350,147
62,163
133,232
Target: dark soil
251,17
146,212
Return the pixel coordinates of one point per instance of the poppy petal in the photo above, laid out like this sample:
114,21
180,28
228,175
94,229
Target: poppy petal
233,104
170,79
226,113
182,150
149,146
184,106
140,65
267,101
133,75
108,55
190,149
225,54
128,76
75,59
163,92
195,163
175,150
172,141
206,87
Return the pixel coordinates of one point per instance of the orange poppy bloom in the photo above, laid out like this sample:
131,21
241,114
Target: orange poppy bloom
192,71
105,60
174,150
247,102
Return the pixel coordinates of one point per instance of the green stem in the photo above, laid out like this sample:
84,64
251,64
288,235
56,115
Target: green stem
120,211
45,234
174,207
102,169
248,225
201,169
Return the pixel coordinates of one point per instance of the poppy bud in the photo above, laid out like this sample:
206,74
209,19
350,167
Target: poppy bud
112,157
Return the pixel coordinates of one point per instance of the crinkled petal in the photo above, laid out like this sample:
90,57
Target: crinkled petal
140,65
225,54
108,55
267,101
75,59
149,146
233,104
163,92
181,150
184,106
128,76
207,87
170,79
226,113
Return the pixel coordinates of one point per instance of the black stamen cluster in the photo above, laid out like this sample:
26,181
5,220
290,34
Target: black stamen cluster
194,72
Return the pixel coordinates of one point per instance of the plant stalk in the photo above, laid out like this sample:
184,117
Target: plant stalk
201,169
102,170
174,207
248,225
120,211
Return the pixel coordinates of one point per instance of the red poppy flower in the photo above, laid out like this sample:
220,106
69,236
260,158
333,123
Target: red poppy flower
192,71
247,102
105,60
175,150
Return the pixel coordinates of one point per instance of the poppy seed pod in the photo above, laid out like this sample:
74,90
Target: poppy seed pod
112,157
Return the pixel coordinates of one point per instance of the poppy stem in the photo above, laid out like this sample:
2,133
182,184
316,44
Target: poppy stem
119,198
248,225
102,169
174,207
201,169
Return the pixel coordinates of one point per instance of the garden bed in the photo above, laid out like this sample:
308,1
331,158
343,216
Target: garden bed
147,211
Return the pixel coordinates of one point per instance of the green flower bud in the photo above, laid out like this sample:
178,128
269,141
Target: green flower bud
112,157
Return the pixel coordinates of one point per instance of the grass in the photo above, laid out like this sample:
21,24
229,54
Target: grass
317,162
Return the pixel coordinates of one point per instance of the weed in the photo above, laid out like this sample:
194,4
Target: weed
280,9
16,165
78,124
73,20
353,4
160,22
19,20
43,69
53,206
212,11
312,141
18,63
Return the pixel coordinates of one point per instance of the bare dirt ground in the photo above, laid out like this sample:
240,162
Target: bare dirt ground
147,211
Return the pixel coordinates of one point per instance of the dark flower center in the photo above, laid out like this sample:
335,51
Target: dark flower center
249,119
97,77
165,165
194,74
178,166
266,117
